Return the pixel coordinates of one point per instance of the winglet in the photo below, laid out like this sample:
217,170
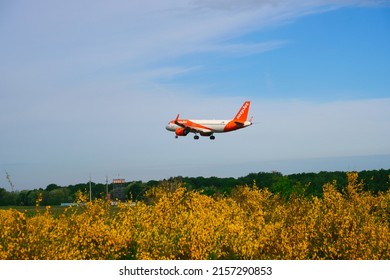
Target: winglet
177,121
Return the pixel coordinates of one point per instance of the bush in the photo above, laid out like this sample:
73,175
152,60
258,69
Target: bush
176,223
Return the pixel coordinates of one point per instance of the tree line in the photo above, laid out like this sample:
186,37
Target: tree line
306,184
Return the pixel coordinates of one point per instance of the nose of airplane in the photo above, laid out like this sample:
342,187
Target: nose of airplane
168,127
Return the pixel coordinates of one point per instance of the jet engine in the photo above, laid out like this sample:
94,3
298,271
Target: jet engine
182,131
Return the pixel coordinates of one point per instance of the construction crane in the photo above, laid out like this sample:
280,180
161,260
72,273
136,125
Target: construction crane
9,180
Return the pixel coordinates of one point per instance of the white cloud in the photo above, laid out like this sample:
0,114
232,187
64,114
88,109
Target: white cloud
66,41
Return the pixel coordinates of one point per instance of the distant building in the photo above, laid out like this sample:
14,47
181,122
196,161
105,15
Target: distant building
118,191
118,181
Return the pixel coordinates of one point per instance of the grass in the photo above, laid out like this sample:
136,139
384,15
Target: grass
33,210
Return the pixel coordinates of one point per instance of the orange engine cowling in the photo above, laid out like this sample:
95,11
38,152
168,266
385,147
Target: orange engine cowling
182,131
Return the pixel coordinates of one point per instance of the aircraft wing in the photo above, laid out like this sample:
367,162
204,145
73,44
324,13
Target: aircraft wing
200,130
193,127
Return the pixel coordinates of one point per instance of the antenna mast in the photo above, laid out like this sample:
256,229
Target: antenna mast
90,189
107,187
9,180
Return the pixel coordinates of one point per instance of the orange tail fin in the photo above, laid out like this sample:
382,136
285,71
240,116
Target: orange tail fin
242,115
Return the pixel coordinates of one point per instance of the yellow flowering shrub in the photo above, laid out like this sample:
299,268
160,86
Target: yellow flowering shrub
176,223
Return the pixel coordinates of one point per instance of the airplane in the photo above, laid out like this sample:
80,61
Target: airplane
182,127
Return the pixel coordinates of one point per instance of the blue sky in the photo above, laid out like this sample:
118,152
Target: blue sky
87,87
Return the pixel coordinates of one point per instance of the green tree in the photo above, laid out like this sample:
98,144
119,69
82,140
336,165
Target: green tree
5,198
282,186
52,187
57,196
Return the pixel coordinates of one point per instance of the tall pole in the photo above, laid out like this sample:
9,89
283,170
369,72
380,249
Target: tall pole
90,189
107,187
9,180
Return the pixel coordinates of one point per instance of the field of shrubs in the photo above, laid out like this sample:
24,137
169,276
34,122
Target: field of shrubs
176,223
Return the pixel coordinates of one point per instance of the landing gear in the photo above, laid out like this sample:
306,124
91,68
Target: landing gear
196,137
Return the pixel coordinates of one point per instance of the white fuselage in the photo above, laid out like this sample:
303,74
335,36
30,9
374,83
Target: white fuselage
216,126
182,127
